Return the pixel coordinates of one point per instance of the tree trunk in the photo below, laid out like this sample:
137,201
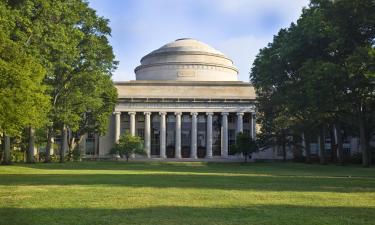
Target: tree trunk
284,147
340,150
64,143
322,151
31,146
245,158
307,149
71,146
7,159
363,143
49,145
332,134
82,137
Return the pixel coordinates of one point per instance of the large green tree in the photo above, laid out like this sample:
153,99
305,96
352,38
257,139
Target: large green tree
23,98
71,42
313,73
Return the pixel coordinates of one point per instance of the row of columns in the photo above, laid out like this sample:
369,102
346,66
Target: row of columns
224,140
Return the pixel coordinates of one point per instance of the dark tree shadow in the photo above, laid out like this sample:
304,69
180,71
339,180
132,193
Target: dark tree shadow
257,214
200,181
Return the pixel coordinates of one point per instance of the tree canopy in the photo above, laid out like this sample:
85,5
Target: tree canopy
319,73
63,48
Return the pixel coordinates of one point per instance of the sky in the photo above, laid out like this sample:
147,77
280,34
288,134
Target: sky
238,28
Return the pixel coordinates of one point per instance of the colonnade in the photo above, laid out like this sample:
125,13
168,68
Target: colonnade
178,115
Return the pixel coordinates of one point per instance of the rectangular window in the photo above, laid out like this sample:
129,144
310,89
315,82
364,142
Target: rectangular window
246,118
231,118
140,118
125,118
246,131
141,133
231,137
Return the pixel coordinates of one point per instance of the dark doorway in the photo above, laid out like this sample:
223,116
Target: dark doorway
155,135
201,136
171,135
185,136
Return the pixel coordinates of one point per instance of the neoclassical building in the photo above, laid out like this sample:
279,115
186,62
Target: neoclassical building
186,102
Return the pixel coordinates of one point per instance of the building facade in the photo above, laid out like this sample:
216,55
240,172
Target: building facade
186,102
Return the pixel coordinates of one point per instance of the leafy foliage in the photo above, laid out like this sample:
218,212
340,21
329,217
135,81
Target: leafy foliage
23,97
319,73
245,145
128,145
71,61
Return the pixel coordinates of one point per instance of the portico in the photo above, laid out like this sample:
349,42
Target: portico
185,128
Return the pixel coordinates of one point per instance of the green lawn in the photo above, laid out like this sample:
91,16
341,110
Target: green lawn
186,193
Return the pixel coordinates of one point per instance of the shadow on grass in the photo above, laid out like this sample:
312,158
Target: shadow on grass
257,214
200,181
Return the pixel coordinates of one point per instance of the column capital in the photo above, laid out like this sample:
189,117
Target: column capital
116,113
240,114
131,113
225,113
178,113
209,113
194,113
162,113
147,113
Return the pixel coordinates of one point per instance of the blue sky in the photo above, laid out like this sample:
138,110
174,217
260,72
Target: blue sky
238,28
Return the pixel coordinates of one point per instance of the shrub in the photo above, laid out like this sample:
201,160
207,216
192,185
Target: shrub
128,145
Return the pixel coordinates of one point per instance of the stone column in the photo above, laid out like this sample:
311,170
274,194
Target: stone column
240,122
148,134
194,135
162,135
209,135
132,123
253,126
224,141
117,126
178,135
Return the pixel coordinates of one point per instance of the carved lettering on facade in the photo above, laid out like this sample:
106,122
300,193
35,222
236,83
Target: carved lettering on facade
186,73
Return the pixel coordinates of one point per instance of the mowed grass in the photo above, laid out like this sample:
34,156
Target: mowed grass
186,193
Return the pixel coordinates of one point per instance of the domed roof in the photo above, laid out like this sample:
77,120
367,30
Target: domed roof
186,59
187,45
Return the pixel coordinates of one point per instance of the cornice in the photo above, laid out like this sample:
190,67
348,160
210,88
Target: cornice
182,65
155,54
181,83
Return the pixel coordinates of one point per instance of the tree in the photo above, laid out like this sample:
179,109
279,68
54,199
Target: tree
71,42
314,72
245,145
128,145
23,98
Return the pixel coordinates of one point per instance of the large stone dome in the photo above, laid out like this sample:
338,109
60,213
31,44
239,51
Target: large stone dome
186,59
